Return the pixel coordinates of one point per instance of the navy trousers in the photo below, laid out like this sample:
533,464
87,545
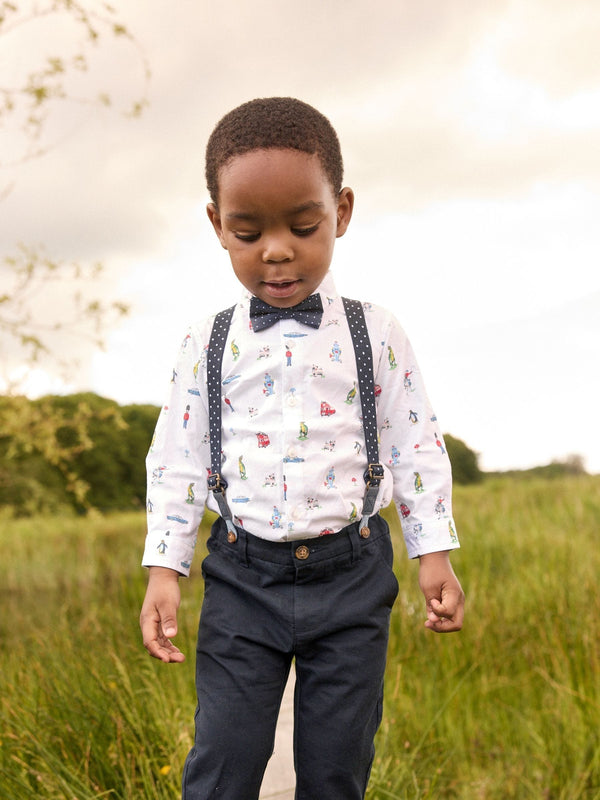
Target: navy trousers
324,603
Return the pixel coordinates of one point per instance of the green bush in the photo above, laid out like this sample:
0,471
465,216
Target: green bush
464,461
84,451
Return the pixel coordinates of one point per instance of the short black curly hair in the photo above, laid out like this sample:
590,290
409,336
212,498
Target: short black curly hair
273,122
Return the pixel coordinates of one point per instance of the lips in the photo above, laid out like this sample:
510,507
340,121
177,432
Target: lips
281,288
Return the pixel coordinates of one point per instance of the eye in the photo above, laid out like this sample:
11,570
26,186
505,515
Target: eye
304,231
247,237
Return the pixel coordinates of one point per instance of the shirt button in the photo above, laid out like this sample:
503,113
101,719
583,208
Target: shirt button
302,552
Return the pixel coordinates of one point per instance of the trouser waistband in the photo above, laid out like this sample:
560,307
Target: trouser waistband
349,540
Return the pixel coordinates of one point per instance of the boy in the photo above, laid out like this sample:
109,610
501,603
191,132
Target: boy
301,568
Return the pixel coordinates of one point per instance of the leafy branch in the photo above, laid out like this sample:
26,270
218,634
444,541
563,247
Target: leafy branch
45,85
34,278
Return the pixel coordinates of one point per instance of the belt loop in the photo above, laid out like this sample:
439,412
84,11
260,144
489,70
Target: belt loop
243,545
355,543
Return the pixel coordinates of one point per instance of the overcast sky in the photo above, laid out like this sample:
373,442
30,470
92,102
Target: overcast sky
470,132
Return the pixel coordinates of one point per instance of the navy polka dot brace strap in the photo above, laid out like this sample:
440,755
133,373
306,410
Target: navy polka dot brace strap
216,345
364,364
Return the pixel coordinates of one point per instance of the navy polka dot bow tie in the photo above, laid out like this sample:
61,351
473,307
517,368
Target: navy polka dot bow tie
308,312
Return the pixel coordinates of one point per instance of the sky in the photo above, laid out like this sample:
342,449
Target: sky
470,136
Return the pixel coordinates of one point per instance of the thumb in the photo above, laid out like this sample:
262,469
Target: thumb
168,620
436,606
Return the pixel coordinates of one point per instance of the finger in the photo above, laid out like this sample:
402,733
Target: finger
451,605
444,617
170,653
156,642
163,649
443,625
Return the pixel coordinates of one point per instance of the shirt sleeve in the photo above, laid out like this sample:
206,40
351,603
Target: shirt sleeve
412,448
179,460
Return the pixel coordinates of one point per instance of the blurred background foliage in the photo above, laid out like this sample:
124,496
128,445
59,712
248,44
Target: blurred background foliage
83,452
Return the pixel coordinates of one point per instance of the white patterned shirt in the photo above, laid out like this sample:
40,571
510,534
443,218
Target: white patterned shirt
293,449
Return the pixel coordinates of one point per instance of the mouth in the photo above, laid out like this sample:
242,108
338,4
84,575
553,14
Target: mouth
281,289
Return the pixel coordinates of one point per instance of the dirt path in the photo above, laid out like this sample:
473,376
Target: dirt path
280,779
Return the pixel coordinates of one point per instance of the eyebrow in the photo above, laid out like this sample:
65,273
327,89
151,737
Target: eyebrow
312,205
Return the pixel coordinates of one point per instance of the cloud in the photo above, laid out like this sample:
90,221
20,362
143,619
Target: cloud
525,393
469,133
427,99
554,44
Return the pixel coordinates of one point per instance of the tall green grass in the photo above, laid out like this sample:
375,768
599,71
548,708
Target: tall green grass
508,708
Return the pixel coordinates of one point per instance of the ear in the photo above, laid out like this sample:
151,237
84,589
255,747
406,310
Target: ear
344,210
215,218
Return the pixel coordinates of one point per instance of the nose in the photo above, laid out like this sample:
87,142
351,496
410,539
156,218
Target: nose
277,248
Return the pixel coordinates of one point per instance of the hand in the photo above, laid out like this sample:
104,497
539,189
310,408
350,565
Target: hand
443,593
158,618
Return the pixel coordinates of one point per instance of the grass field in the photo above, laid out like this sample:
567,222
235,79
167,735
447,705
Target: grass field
508,708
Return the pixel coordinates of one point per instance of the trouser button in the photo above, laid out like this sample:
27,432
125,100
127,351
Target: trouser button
302,552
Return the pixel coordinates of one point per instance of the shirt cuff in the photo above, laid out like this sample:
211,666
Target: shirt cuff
432,537
160,551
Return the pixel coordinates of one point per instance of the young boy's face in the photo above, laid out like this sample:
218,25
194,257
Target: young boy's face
278,218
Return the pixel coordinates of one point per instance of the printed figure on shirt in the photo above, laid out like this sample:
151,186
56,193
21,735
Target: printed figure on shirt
395,456
391,358
440,508
275,518
330,479
351,395
268,385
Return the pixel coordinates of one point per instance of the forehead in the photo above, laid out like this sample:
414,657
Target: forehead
281,177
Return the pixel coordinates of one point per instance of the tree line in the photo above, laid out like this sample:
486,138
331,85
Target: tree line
82,451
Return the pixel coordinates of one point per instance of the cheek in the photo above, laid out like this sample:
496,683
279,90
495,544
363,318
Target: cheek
243,267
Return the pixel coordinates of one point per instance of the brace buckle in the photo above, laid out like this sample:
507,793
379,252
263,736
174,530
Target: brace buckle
373,475
216,483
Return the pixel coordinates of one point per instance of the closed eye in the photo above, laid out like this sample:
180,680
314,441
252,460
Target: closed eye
247,237
304,231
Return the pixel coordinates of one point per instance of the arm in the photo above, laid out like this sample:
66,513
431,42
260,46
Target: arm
443,593
412,448
176,464
158,618
178,461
